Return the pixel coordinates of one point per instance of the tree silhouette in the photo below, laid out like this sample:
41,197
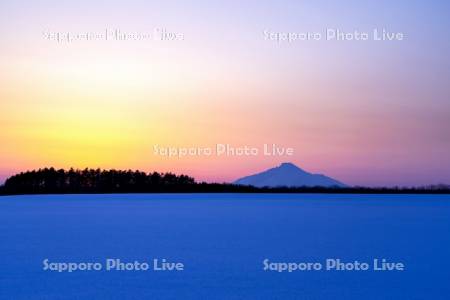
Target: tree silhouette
49,180
52,181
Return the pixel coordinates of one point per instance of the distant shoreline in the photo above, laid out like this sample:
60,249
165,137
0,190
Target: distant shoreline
50,181
254,193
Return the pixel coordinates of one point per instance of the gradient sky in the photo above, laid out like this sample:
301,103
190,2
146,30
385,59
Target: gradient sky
364,112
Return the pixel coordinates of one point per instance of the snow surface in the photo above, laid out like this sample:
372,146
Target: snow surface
222,239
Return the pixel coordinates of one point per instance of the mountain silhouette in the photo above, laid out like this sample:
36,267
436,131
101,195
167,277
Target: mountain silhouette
289,175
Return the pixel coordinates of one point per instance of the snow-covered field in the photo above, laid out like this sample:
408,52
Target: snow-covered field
221,242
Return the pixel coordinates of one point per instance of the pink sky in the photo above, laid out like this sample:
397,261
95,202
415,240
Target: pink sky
366,113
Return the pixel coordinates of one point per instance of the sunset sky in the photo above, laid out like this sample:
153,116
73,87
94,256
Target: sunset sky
364,112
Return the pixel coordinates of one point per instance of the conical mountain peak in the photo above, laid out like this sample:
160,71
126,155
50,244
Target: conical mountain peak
288,174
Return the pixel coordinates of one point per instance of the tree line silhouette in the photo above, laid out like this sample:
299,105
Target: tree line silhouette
75,181
50,180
